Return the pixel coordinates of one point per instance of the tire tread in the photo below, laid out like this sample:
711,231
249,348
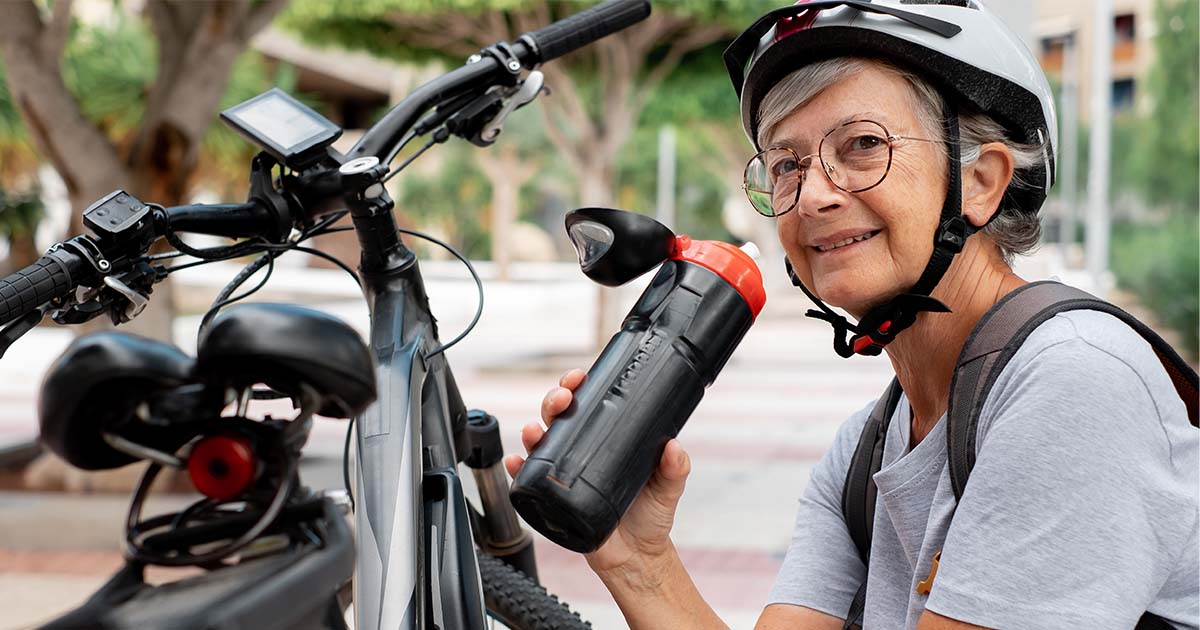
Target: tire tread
522,603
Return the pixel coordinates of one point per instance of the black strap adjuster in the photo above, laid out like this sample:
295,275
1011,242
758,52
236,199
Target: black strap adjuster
952,235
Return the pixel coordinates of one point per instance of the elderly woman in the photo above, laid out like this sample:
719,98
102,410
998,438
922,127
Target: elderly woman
890,134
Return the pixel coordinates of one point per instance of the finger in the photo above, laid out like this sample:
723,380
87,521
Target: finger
531,434
512,463
572,379
667,486
675,464
555,402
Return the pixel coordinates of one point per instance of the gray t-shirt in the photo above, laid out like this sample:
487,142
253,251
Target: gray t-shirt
1081,511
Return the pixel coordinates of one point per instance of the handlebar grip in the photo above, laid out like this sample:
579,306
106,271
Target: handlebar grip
44,280
585,27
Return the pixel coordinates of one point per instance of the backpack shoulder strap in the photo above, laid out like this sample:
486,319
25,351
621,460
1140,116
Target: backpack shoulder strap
859,492
998,336
858,495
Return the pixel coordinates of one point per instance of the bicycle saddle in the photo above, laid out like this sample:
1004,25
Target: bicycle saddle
97,384
283,345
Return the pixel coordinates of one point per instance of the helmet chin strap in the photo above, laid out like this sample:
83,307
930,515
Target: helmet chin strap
882,323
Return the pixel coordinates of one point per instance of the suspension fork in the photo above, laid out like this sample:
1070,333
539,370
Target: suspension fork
497,530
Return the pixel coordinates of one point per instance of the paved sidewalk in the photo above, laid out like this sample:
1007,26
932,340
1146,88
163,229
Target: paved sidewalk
753,439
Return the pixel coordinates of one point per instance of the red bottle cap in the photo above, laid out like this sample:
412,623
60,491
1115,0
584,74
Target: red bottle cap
732,264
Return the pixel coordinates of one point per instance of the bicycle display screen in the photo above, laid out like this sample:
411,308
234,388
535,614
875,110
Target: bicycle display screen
286,128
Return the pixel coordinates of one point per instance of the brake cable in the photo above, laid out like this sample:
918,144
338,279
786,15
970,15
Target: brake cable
441,135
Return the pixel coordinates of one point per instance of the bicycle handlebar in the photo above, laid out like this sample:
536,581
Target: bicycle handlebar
54,275
64,268
578,30
225,219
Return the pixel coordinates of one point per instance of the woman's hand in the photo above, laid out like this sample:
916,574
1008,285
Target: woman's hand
641,543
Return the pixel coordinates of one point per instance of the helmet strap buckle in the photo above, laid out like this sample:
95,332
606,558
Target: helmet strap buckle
952,235
881,325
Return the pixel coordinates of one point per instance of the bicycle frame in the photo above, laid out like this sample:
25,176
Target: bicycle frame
412,519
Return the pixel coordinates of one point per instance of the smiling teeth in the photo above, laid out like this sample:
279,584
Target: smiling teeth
854,239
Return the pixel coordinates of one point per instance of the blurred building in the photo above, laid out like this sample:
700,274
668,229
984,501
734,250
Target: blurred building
1060,25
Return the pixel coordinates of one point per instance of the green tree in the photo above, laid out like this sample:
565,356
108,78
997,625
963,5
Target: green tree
103,66
147,137
1171,143
597,92
450,199
18,176
1157,158
699,102
19,217
1161,265
18,159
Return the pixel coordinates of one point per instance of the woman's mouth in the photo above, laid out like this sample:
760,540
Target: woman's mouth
846,242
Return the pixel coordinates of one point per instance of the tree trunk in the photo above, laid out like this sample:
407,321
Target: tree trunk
596,185
588,136
596,189
507,173
504,214
22,251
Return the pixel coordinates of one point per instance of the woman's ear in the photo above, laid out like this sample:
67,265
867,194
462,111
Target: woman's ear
985,181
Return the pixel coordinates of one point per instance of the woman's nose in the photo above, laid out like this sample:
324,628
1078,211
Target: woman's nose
819,195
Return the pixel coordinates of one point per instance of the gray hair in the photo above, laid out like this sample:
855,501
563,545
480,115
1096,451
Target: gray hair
1014,231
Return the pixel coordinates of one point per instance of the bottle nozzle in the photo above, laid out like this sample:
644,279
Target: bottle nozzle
751,250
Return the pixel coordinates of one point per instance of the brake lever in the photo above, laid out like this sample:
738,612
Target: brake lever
123,296
133,289
81,310
137,301
524,95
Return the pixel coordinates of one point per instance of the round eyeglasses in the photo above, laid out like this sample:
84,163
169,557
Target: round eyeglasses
855,156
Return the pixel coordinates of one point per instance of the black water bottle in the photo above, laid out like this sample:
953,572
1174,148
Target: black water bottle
602,450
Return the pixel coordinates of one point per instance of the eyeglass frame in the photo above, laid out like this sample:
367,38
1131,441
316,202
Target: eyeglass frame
891,140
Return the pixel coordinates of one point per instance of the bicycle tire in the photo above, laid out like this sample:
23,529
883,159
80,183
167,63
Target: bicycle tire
520,603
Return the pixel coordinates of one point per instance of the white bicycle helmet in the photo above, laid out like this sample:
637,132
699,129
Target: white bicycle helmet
964,51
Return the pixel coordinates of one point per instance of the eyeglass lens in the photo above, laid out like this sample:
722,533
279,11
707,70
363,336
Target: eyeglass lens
855,157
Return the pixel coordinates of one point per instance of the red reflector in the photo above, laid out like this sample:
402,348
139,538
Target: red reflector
222,466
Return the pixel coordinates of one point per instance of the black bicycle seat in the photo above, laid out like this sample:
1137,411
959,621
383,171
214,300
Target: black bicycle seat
283,345
97,384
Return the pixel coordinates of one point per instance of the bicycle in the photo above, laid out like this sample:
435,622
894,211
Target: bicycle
274,553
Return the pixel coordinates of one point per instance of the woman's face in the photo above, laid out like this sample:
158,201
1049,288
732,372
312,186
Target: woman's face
901,213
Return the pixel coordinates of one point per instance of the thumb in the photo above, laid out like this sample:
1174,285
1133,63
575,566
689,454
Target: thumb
667,485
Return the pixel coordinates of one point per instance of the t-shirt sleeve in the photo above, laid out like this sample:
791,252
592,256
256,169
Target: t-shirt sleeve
822,570
1076,510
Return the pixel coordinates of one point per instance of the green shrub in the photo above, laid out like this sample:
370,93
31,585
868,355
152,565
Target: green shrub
20,213
1160,264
